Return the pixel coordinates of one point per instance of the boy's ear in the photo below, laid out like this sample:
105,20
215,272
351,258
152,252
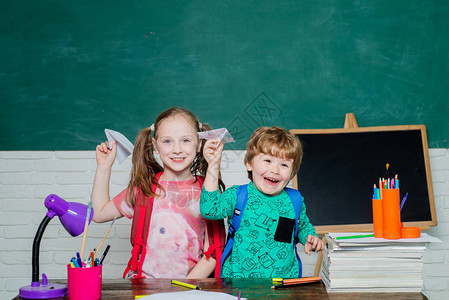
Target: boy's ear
155,145
248,167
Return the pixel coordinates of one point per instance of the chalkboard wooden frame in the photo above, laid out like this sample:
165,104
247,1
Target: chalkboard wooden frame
350,122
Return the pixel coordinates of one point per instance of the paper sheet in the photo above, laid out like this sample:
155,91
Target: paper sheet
193,295
425,238
222,134
124,146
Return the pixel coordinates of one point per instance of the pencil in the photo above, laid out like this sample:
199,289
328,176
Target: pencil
104,238
89,208
403,201
187,285
380,188
354,236
294,281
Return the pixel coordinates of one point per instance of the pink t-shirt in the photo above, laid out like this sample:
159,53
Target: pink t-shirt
176,233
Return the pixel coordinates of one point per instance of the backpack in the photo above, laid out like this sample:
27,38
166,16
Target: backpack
242,198
141,224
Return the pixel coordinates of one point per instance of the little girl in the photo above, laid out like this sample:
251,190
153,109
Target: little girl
166,198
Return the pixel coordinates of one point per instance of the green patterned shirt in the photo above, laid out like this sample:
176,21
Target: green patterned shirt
263,245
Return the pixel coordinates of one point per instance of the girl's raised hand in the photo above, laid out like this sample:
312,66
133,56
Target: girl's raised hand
106,156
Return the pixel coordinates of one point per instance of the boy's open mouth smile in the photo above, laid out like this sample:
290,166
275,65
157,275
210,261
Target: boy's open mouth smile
271,180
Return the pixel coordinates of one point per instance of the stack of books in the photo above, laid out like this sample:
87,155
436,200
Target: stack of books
373,265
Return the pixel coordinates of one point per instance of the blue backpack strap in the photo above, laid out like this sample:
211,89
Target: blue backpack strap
296,198
242,198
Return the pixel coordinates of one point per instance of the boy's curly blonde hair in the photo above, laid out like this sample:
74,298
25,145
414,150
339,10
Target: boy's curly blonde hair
277,142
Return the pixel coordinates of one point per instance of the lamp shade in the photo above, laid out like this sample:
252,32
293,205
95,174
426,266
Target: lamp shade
71,214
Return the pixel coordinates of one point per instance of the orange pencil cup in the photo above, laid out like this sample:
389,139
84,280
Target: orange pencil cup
391,214
378,221
84,283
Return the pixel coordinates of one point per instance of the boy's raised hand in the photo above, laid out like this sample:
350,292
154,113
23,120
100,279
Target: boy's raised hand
313,243
212,153
106,156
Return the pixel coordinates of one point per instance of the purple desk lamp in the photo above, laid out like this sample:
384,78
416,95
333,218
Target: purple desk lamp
73,217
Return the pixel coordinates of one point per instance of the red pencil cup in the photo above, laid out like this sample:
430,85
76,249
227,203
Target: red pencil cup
84,283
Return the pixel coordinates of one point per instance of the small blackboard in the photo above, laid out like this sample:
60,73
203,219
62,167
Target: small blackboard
340,167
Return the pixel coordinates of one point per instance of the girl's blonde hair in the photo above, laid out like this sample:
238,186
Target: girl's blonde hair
277,142
144,164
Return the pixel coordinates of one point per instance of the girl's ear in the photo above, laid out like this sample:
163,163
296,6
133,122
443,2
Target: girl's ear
155,145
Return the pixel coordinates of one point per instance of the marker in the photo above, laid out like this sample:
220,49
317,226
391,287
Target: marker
75,262
187,285
78,259
403,201
354,236
104,254
396,181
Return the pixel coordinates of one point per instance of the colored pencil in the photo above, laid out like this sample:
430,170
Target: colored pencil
354,236
104,238
279,282
403,201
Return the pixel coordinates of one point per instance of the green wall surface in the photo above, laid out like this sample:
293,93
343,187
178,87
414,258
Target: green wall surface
70,69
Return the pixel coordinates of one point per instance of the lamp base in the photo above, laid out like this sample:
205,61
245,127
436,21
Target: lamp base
42,290
52,290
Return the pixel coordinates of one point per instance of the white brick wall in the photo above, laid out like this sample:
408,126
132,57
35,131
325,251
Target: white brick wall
26,178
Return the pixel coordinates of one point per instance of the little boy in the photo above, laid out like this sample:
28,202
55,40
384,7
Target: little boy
263,245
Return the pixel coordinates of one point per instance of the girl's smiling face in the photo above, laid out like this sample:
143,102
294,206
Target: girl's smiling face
270,173
176,143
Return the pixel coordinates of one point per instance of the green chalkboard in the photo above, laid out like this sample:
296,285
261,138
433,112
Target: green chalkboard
69,69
